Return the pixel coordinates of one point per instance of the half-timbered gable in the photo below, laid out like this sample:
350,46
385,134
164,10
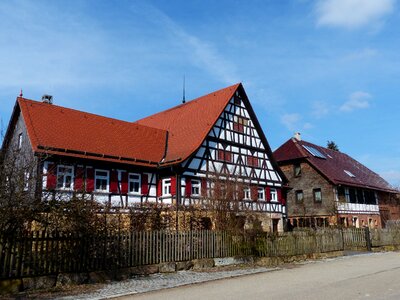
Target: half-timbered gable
230,145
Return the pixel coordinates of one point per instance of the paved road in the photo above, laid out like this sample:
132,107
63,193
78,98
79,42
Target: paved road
371,276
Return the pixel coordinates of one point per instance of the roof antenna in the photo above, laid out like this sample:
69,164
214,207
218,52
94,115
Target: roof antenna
20,94
183,97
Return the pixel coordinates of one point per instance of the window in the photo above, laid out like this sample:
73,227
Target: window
246,193
64,177
299,196
134,183
252,161
261,193
196,187
349,173
166,187
297,170
224,155
20,141
317,195
274,195
26,181
239,123
101,179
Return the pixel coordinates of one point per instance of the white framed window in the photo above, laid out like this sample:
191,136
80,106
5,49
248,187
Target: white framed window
246,194
20,141
261,193
102,180
166,187
196,187
65,175
134,182
274,195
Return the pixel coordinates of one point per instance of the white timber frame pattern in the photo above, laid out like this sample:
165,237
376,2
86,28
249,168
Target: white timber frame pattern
234,146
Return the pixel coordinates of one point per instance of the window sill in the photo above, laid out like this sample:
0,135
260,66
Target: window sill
102,192
134,194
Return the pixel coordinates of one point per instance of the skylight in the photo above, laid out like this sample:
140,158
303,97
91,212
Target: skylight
349,173
314,151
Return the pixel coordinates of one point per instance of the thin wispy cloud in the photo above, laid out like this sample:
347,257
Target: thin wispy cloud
319,109
291,121
352,14
357,100
202,53
393,176
362,54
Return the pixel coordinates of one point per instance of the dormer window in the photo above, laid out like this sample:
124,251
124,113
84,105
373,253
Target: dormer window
349,173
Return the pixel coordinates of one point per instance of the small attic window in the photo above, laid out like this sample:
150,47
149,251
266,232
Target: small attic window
349,173
314,151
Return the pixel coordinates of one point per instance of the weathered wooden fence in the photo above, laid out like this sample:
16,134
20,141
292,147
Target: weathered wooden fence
46,253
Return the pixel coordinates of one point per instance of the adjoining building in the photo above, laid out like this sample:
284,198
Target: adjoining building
331,188
172,157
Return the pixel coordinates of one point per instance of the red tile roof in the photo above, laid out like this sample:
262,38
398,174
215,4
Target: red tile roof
333,167
59,130
188,124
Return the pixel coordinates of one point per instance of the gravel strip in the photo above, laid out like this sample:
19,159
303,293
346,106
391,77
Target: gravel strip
160,281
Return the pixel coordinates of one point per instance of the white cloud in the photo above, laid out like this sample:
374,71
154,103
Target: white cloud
352,14
357,100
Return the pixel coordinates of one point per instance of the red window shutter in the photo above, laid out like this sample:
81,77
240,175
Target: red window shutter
268,193
114,181
78,183
240,194
253,191
51,176
220,154
145,184
204,187
89,180
173,185
124,183
228,156
159,187
188,188
279,194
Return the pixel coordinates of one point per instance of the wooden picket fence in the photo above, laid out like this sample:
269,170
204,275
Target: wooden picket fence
46,253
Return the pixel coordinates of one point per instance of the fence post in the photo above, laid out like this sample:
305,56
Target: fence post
368,239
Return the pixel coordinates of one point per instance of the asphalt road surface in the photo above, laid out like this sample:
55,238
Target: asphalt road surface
369,276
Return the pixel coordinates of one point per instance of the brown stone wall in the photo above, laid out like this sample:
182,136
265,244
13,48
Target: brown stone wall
309,180
389,206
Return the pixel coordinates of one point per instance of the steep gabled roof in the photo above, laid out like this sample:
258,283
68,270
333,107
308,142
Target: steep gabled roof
337,167
58,130
188,124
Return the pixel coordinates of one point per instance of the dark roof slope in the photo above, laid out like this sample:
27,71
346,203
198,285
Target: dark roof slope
59,130
188,124
334,166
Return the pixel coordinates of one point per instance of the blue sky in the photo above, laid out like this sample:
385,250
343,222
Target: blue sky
329,69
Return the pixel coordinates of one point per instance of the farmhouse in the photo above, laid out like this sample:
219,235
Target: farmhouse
330,188
172,157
